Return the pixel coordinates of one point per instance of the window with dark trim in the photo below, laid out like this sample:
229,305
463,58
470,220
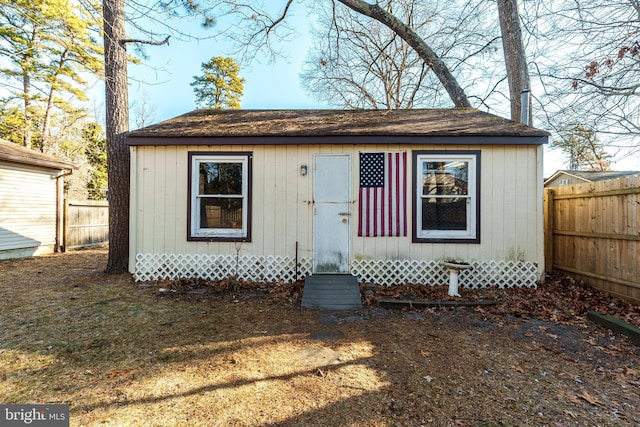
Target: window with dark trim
219,196
446,188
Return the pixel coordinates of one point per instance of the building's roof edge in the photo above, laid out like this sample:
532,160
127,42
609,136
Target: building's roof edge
343,123
11,152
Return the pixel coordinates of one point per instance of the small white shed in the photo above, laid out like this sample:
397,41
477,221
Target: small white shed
381,195
31,200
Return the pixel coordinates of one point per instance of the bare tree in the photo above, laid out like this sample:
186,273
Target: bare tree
255,29
424,50
143,110
587,63
357,62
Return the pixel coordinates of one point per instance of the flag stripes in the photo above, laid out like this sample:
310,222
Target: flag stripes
383,194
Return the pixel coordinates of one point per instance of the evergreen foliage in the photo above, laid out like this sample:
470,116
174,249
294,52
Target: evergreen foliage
219,87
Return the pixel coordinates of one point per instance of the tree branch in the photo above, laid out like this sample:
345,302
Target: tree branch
123,42
282,17
374,11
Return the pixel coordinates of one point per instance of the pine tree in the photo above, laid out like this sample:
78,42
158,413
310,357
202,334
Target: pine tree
219,87
48,45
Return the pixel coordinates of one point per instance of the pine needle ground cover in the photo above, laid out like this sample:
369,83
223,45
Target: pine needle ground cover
221,354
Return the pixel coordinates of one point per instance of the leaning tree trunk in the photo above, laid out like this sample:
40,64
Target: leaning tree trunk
117,123
514,56
374,11
46,122
26,85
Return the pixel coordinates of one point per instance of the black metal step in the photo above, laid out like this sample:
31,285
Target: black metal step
331,292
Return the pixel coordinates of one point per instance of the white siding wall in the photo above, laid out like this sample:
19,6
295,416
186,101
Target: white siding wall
511,204
27,210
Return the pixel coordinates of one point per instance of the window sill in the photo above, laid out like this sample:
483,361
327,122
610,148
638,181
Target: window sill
471,240
218,239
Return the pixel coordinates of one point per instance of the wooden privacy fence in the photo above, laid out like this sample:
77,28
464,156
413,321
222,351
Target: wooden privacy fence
86,223
592,233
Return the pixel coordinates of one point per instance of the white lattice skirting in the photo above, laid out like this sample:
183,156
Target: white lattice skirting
501,274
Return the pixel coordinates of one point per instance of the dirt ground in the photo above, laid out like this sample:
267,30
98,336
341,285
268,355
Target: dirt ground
190,353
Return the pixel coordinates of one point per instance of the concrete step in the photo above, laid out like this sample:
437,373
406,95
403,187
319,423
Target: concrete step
332,292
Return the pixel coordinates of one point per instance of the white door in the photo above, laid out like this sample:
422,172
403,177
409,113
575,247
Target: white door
331,213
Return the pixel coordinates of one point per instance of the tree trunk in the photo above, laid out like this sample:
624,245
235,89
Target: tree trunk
26,86
46,122
514,56
117,123
456,93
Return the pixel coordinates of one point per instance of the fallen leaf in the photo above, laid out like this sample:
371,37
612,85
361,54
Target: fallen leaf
573,399
518,369
589,398
114,374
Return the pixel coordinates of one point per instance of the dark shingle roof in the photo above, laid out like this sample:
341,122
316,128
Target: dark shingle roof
300,123
15,153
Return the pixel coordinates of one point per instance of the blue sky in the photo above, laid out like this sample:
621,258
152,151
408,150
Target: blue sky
164,77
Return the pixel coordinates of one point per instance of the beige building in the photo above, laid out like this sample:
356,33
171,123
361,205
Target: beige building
31,201
381,195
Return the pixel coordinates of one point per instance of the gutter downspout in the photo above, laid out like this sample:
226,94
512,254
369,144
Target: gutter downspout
61,217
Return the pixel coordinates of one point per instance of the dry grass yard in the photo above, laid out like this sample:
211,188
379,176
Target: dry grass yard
125,354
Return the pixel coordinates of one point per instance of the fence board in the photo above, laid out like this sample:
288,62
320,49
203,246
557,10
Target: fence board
86,223
592,233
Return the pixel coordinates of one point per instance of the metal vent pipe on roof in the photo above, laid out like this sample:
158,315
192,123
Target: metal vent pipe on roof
525,106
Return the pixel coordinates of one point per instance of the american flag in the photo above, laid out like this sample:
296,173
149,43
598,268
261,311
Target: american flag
383,194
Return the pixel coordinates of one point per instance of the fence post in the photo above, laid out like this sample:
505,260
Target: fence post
548,229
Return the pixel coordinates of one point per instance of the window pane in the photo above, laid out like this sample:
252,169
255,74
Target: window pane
444,214
220,212
220,178
445,178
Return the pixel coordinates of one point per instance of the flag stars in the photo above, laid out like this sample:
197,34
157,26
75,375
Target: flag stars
371,170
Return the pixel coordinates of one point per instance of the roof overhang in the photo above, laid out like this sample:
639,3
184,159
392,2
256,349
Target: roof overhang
320,140
335,126
15,153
